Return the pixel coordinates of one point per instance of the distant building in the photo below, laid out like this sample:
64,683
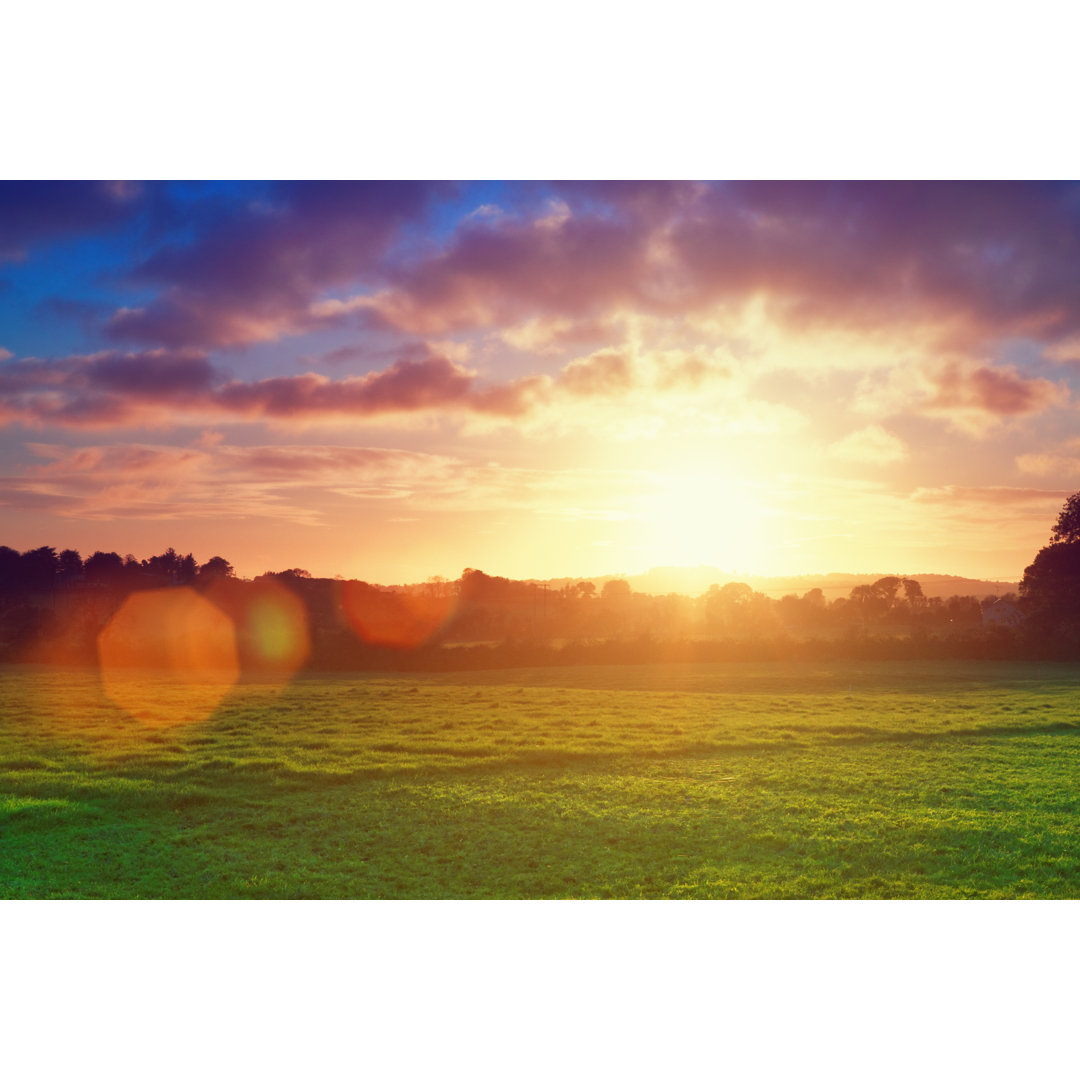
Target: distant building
1002,613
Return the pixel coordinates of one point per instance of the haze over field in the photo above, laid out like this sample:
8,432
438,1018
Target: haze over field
393,381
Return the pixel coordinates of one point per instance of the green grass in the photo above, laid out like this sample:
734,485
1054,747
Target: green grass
750,781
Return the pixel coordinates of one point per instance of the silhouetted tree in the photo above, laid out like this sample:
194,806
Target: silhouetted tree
866,603
1066,529
1050,590
71,566
165,567
216,567
913,593
186,571
9,569
295,574
104,568
38,568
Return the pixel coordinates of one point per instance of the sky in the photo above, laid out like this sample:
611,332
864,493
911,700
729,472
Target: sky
396,380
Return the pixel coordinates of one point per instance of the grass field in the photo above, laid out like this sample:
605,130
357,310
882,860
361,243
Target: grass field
909,780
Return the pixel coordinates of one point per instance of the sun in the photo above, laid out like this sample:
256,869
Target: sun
696,517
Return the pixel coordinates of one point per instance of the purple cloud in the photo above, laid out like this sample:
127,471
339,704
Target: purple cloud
162,387
103,388
252,276
981,260
405,386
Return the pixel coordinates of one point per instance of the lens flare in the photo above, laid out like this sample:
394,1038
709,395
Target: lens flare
271,625
274,628
168,656
394,619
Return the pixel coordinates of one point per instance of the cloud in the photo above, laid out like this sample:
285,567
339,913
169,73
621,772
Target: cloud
1048,464
159,387
406,386
997,496
1062,459
949,266
965,515
616,372
606,372
877,253
1001,391
975,398
703,389
958,264
112,482
302,484
393,470
499,272
113,460
1066,350
5,354
550,335
102,388
486,210
158,482
971,396
872,445
653,200
254,269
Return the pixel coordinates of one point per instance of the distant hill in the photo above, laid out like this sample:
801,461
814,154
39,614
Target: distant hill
694,580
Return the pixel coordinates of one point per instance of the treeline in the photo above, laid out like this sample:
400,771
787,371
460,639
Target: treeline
54,605
43,570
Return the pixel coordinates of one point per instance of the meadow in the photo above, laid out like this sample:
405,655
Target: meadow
751,780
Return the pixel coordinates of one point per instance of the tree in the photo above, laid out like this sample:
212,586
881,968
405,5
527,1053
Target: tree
617,590
886,589
71,565
167,566
215,568
295,574
867,602
913,593
103,568
727,606
1050,589
1067,528
39,568
9,568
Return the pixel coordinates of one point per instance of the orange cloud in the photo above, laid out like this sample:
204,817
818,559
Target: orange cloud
988,495
872,445
1001,391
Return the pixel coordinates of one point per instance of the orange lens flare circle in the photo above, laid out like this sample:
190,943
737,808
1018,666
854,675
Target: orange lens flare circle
272,630
395,620
168,656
